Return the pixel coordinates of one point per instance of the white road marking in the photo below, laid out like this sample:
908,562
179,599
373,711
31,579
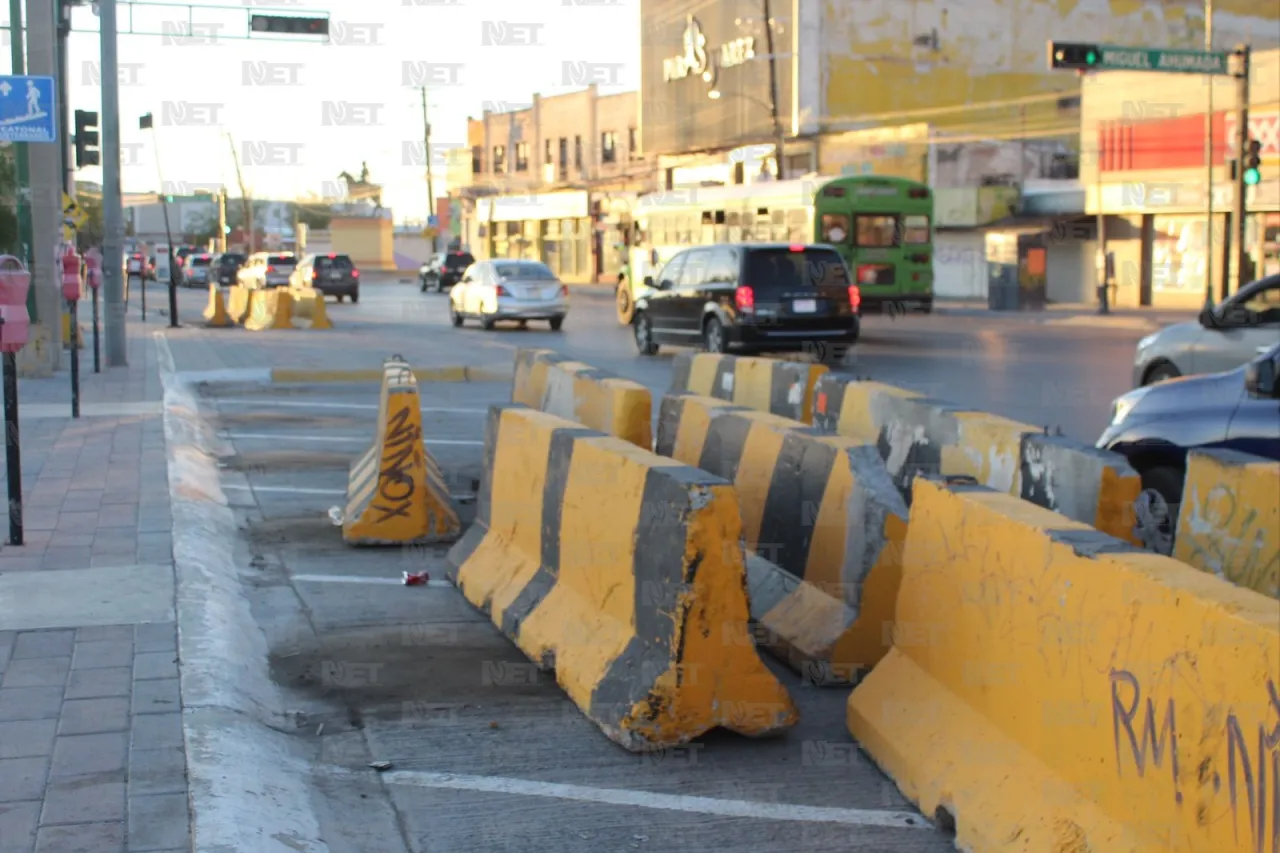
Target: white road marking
368,581
288,490
651,800
336,439
354,406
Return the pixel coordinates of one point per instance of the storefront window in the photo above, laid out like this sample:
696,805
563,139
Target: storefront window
1177,255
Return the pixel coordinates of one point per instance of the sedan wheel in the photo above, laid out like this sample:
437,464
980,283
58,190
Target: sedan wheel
1162,372
643,330
713,336
454,315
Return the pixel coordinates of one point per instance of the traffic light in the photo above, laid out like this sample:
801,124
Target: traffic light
86,139
1253,163
289,25
1074,55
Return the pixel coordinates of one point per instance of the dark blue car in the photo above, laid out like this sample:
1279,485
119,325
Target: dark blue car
1156,425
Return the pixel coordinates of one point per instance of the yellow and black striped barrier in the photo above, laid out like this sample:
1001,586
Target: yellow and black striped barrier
396,493
579,392
238,303
622,571
765,384
823,520
215,312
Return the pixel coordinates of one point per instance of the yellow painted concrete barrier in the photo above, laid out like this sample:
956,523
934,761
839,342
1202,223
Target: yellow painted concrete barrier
238,303
269,309
921,435
396,492
309,311
1229,521
215,312
1055,689
824,523
622,571
784,388
67,326
579,392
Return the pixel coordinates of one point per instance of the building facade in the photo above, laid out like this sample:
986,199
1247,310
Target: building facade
1145,171
553,182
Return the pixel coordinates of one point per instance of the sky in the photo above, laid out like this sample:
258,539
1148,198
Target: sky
301,112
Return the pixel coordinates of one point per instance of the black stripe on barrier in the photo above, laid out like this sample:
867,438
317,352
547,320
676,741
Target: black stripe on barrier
670,411
725,367
475,534
800,476
722,450
559,457
681,370
661,576
830,389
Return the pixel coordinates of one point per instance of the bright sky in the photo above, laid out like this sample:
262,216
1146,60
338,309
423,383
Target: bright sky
347,102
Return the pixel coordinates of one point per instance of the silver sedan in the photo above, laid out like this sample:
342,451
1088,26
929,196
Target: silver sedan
497,290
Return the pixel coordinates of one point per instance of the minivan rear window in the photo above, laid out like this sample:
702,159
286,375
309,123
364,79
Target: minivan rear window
282,260
787,269
458,261
201,261
337,262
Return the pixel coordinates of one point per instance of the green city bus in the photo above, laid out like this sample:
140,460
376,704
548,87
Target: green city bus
882,227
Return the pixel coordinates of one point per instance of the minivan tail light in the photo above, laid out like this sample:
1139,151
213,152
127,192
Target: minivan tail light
271,269
745,298
855,297
502,291
315,275
355,273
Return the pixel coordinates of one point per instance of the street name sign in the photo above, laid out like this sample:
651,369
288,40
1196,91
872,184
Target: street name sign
1114,58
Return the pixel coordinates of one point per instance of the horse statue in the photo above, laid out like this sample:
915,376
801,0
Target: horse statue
361,188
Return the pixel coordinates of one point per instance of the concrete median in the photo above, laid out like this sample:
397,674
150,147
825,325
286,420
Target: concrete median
215,312
309,309
396,493
1054,688
1229,521
823,521
765,384
921,435
622,571
578,392
238,298
269,309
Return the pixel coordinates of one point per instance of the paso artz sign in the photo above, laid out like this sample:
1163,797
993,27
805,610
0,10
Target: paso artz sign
698,59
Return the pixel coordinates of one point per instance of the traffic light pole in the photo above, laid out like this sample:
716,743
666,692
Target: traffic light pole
1240,211
112,208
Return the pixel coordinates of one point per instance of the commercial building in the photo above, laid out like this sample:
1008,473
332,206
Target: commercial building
554,181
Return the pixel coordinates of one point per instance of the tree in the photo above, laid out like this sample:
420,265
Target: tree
10,241
315,216
92,232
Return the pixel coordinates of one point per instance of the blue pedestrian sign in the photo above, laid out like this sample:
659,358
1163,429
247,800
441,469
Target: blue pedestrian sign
433,221
28,109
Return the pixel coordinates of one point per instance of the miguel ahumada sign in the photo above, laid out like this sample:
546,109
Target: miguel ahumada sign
700,59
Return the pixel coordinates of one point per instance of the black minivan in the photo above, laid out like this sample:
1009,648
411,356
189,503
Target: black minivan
761,296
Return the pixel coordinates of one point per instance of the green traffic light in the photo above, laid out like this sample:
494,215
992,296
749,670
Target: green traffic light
1090,58
1252,177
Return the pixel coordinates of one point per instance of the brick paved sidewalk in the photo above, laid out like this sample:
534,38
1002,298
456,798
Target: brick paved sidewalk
91,741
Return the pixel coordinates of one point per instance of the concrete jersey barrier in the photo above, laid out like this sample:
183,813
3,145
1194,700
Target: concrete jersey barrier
823,519
1054,688
396,493
238,303
1229,521
921,435
310,310
549,382
622,571
269,309
765,384
215,312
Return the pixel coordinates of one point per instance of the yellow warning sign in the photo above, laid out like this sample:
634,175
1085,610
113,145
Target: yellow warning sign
73,212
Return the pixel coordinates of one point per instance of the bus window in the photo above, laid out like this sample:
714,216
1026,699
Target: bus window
915,230
835,228
797,227
734,219
877,232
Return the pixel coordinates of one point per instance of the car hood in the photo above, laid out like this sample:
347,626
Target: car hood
1178,396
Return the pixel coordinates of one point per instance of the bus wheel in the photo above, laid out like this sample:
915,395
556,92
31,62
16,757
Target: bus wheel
626,305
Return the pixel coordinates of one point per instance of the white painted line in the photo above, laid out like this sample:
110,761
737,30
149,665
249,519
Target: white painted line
355,579
353,406
651,800
336,439
288,490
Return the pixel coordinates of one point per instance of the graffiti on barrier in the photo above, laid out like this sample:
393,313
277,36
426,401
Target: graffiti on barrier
1231,540
395,481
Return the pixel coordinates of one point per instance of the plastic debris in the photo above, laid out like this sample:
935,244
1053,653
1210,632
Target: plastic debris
335,515
380,766
416,578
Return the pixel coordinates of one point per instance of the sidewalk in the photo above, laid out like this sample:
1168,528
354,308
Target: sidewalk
91,742
1070,314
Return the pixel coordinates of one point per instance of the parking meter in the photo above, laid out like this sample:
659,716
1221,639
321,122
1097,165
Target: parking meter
93,264
71,281
15,322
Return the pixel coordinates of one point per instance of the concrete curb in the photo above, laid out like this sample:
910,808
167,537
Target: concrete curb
307,376
249,784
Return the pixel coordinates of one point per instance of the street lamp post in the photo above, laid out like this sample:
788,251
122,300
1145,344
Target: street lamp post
146,122
780,140
716,94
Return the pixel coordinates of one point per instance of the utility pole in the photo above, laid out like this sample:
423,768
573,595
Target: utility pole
63,11
112,207
1208,163
222,220
244,199
426,151
25,235
1241,188
780,140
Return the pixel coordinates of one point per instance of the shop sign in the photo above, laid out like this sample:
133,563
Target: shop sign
698,59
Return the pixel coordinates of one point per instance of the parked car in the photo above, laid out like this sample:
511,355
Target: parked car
1223,337
267,269
492,291
195,273
225,267
331,274
138,265
753,297
1155,425
444,271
